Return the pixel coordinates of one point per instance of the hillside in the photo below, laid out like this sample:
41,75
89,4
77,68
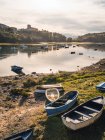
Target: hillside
28,35
92,37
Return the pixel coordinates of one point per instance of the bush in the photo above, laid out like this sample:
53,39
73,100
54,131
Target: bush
29,83
18,92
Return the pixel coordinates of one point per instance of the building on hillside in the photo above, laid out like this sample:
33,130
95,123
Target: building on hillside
31,28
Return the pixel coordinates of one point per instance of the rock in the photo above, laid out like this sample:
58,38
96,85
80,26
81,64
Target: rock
80,53
72,52
33,73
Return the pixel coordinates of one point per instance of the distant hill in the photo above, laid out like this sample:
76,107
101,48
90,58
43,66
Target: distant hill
28,35
92,37
70,35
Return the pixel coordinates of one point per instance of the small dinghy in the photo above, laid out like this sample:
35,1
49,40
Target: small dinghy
67,46
25,135
84,114
42,89
62,104
52,94
101,86
16,69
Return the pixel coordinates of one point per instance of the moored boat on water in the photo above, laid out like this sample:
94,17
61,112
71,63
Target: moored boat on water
25,135
66,46
84,114
62,104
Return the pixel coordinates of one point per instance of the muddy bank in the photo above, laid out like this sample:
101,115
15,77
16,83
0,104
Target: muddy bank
99,66
18,103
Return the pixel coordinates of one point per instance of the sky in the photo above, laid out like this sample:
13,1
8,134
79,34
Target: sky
75,17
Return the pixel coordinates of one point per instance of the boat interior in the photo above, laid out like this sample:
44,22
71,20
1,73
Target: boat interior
61,101
103,85
84,112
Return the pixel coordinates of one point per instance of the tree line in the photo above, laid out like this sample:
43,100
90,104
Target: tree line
29,35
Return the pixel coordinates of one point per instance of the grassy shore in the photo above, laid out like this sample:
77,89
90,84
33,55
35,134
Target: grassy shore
20,109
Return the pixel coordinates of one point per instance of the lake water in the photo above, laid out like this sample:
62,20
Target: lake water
48,59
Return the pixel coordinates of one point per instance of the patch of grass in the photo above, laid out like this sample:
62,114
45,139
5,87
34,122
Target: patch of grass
20,92
29,83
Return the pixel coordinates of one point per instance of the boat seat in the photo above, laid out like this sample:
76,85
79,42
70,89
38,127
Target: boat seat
73,120
91,109
50,107
80,113
60,103
63,99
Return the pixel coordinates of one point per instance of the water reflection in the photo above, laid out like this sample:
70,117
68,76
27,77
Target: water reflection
7,51
98,46
43,58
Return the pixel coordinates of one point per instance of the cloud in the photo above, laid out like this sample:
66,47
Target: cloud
2,2
60,20
100,3
64,16
72,24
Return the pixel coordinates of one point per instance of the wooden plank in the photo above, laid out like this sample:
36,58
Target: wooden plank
91,109
80,113
104,101
73,120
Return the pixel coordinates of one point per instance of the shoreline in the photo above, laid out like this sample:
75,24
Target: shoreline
98,66
50,43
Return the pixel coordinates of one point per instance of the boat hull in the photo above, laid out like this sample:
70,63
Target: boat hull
53,111
25,135
56,111
101,89
75,123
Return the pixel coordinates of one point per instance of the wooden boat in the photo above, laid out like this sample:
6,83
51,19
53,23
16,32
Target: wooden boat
84,115
42,89
61,105
52,94
80,53
67,46
25,135
16,68
101,86
72,52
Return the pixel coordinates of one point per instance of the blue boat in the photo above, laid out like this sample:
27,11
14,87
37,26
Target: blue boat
101,86
25,135
62,104
16,69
